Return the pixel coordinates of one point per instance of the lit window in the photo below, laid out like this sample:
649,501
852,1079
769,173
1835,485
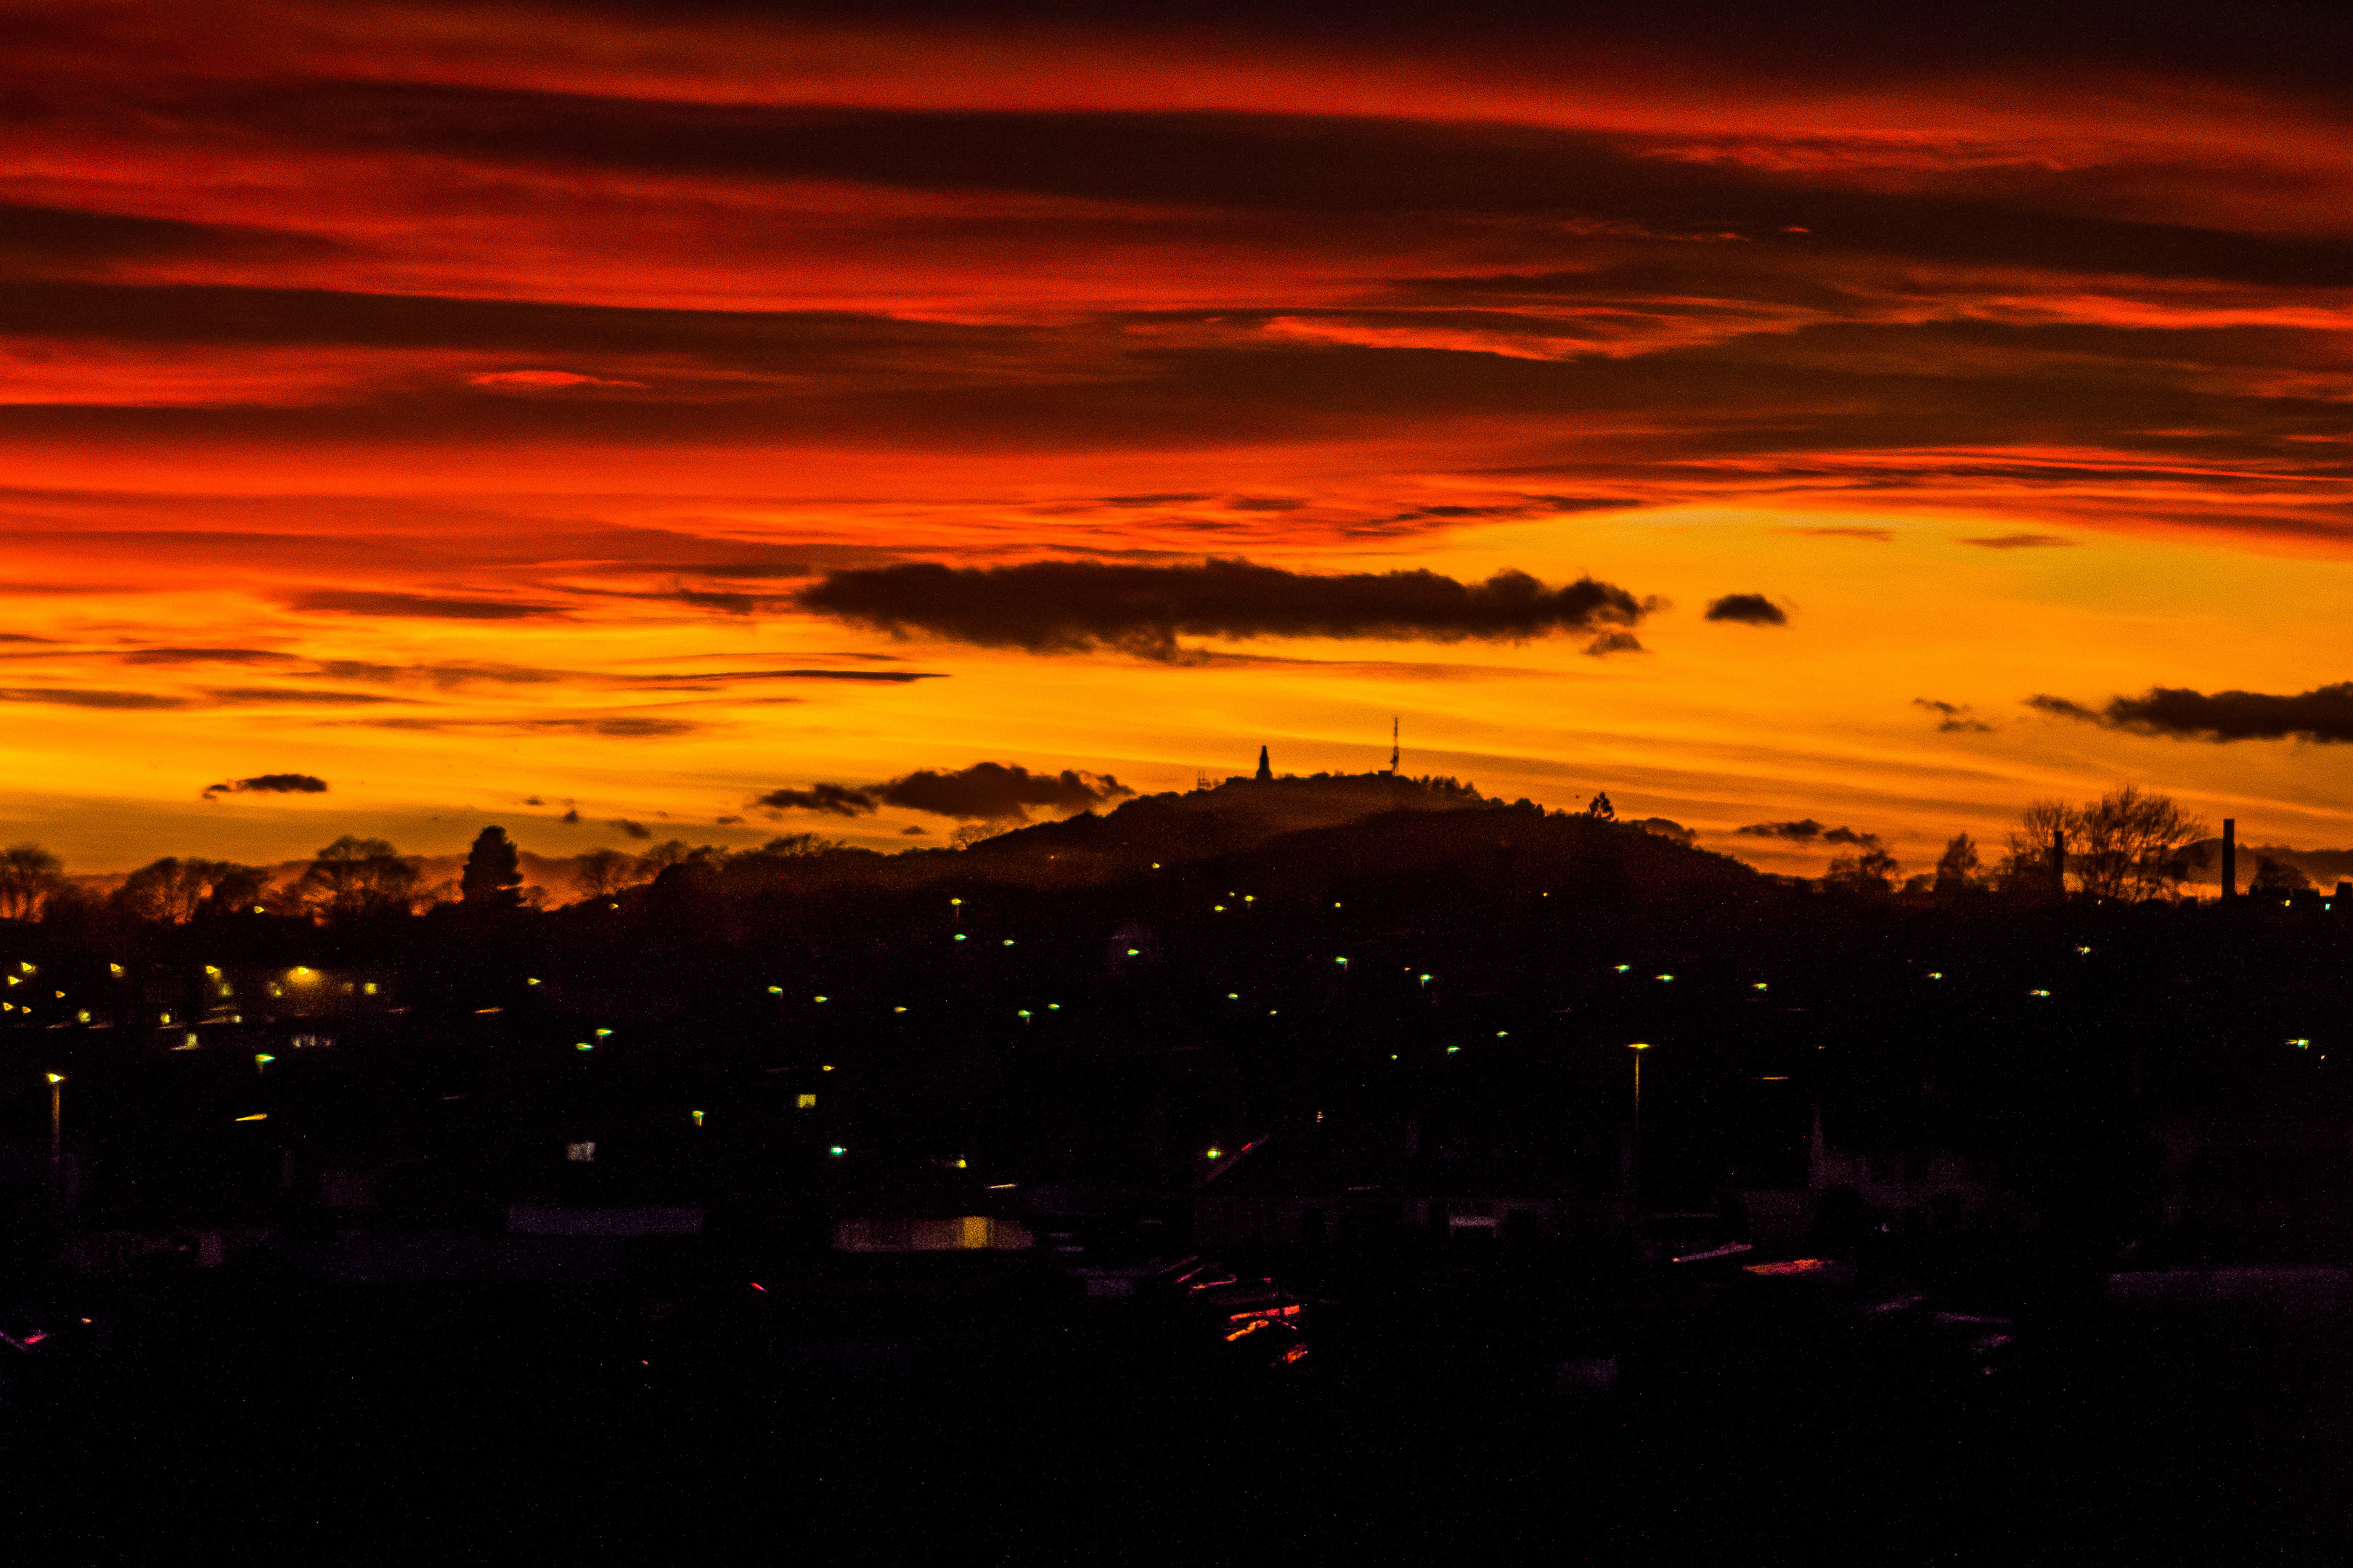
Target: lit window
805,1102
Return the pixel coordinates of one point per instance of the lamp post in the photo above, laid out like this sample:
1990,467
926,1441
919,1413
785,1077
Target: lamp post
1633,1175
57,1118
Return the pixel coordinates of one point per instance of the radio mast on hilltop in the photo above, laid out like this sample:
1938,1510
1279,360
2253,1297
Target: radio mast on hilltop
1393,742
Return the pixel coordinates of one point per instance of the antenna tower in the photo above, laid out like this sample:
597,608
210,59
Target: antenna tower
1393,742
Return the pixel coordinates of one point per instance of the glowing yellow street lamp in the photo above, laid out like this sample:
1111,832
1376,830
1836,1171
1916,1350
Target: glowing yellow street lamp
57,1117
1638,1048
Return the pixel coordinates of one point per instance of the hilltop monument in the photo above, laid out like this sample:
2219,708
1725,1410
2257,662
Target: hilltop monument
1265,770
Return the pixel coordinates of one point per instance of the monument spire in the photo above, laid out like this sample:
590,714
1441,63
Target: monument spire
1265,770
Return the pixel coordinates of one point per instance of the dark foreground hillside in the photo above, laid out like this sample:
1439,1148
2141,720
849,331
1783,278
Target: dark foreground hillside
1619,1203
1460,1413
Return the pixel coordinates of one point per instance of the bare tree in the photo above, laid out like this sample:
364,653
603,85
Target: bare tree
235,890
2131,845
2127,844
2029,866
358,877
174,891
1872,870
29,875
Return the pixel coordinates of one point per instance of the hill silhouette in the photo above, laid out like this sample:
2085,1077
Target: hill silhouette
1365,827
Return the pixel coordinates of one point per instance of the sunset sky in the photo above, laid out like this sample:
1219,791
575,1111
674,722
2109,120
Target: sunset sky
497,412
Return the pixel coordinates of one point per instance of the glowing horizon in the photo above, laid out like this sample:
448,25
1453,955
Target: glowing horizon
453,404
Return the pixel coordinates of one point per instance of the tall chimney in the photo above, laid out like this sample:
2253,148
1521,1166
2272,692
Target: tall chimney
2230,856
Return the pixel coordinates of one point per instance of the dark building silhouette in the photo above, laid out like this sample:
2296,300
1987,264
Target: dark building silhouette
2230,856
1265,770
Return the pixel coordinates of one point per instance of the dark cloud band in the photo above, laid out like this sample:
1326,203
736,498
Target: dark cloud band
2322,714
1747,609
1068,607
1808,831
268,784
992,792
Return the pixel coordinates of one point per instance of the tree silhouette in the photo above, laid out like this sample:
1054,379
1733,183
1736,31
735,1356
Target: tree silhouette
2133,844
2028,868
1958,869
235,890
601,873
358,877
174,891
664,856
493,875
28,876
1872,871
2278,877
2127,845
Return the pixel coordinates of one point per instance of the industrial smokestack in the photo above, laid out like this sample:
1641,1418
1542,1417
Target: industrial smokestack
2230,856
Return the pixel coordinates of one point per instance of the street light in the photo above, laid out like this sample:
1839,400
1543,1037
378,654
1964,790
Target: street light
57,1117
1630,1174
1638,1046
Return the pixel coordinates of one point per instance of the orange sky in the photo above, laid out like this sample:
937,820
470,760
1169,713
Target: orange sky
450,403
